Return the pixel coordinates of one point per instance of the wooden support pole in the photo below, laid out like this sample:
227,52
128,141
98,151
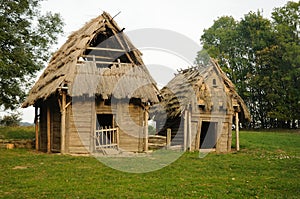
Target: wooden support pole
146,116
63,122
185,128
237,131
198,135
36,121
229,138
190,128
118,138
169,134
48,130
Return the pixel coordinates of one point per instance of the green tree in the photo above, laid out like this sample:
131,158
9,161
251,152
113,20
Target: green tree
262,58
11,120
25,39
286,21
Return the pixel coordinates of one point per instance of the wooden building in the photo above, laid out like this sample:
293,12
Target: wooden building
200,105
95,93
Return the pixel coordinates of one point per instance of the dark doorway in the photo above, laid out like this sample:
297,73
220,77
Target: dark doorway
104,121
208,135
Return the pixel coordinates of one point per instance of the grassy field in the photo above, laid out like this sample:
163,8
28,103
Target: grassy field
20,132
268,166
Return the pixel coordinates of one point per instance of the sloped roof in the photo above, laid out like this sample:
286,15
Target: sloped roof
64,64
189,87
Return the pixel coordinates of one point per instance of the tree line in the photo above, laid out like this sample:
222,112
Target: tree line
262,58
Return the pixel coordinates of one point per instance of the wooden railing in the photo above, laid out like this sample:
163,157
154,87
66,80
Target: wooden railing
106,138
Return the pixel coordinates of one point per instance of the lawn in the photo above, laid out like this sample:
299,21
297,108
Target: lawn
268,166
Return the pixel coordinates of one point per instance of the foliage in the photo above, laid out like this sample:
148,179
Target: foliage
262,58
25,39
11,120
19,132
151,130
266,166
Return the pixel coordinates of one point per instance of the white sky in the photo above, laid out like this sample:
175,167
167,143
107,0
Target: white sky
189,18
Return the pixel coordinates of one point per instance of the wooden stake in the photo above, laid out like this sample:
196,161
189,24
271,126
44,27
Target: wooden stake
169,134
237,131
48,130
36,121
63,123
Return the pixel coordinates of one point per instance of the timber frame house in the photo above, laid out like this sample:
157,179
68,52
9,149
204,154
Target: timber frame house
200,105
95,93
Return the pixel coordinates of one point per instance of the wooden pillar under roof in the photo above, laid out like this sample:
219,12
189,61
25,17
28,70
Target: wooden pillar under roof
63,121
237,133
36,122
189,127
48,130
185,129
146,116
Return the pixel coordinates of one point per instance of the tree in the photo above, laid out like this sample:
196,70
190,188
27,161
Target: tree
25,39
262,58
11,120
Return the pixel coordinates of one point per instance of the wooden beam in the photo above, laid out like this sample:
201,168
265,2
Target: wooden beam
36,121
106,49
146,116
237,131
120,42
48,130
97,57
63,122
101,62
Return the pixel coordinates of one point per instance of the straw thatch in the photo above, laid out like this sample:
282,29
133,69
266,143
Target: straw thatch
66,65
190,87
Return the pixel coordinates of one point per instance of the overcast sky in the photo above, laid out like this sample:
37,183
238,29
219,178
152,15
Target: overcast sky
188,18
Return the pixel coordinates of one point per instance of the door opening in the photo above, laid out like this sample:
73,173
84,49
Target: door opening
208,135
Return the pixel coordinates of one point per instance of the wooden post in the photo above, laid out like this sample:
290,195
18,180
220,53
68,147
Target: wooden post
190,128
185,127
237,131
198,135
63,122
169,134
48,130
36,121
118,137
229,134
146,116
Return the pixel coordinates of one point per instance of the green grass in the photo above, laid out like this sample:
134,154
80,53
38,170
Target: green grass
268,166
20,132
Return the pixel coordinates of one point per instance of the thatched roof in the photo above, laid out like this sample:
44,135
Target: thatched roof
190,87
102,42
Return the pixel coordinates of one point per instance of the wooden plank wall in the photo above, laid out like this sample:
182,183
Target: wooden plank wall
129,119
224,131
55,127
43,128
80,128
55,123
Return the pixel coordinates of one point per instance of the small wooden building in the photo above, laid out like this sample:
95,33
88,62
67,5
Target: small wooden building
200,106
95,93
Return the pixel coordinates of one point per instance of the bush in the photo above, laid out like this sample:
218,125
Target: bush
11,120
